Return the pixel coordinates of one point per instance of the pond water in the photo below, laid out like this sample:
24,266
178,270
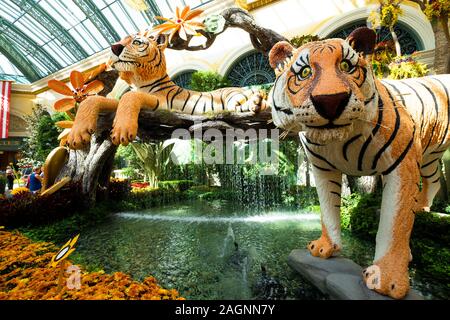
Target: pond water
214,250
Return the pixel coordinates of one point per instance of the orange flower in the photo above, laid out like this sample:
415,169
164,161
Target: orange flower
182,24
79,91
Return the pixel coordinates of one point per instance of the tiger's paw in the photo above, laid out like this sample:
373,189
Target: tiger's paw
80,133
124,131
323,248
257,103
387,279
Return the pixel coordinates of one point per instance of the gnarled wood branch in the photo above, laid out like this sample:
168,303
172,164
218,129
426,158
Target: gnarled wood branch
262,39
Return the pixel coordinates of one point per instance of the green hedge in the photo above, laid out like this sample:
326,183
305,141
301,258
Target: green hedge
430,239
176,185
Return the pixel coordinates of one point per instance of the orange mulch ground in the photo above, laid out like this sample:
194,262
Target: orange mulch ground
25,274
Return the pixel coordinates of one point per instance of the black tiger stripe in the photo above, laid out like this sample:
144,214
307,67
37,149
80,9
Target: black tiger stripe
313,143
391,138
185,102
337,206
437,114
212,102
448,110
402,156
157,105
221,101
318,156
336,193
195,105
168,97
347,144
429,163
156,82
431,175
165,88
336,183
438,151
397,91
436,181
374,132
421,103
320,168
180,90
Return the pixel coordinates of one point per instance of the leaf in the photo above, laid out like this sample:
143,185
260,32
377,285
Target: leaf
65,104
76,79
60,87
193,14
185,12
94,87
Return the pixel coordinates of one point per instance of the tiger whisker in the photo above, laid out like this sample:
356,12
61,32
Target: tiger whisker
383,126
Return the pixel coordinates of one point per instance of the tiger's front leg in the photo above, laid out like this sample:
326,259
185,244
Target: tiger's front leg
125,125
389,273
328,185
85,122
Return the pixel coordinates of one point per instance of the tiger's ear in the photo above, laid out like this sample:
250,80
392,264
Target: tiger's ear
363,40
163,41
279,54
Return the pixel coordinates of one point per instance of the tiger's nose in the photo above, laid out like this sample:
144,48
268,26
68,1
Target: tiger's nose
117,49
330,106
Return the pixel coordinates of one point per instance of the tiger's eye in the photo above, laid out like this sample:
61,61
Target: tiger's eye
305,72
345,66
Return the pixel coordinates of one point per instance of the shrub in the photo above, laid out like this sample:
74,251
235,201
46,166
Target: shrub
176,185
206,81
119,188
2,184
27,208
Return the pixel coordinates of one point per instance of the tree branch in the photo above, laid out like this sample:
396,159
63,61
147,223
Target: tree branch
262,39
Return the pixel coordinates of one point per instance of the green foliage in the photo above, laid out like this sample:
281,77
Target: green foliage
299,41
407,67
176,185
43,134
430,239
206,81
2,184
152,159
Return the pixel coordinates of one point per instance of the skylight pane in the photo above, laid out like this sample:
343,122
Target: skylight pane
33,29
10,11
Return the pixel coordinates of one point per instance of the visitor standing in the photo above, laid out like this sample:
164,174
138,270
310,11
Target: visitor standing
36,180
10,177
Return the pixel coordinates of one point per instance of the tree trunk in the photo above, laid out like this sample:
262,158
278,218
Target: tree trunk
92,166
442,51
398,48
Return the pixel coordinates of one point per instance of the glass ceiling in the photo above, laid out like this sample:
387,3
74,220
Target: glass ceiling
40,37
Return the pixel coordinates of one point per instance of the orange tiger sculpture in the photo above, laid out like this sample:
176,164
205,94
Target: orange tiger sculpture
352,123
141,62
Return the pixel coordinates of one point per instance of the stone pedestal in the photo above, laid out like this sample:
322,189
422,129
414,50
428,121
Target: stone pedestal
338,277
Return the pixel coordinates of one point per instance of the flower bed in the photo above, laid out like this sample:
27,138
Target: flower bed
25,274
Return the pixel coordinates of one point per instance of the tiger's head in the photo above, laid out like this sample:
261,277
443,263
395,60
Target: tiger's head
323,88
139,58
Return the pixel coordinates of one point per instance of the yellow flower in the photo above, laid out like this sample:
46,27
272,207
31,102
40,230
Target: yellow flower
182,24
